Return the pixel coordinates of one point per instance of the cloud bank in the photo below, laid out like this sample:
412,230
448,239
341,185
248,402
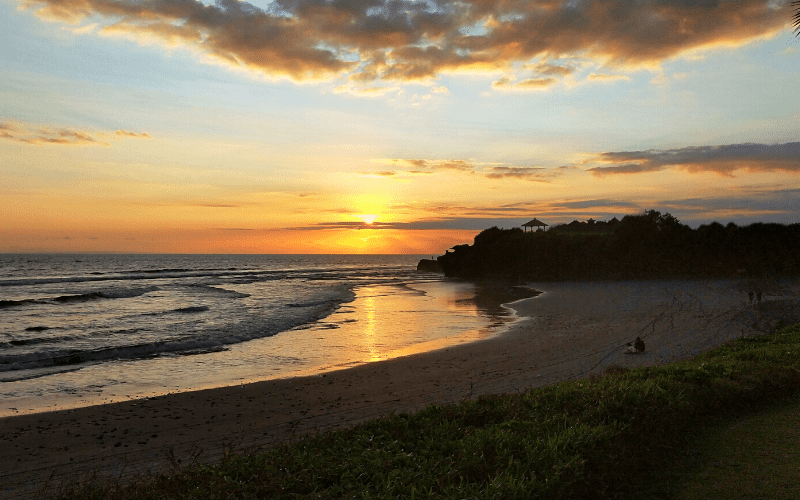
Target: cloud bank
405,40
724,160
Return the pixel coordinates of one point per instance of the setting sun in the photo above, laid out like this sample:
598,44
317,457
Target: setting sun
368,218
221,150
242,221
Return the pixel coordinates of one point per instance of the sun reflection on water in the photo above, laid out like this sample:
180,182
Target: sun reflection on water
370,324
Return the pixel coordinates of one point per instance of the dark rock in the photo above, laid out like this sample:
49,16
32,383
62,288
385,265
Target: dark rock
429,266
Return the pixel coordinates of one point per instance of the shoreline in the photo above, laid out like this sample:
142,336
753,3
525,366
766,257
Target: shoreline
548,343
381,322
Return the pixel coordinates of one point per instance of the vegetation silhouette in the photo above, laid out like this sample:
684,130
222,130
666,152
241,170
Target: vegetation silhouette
650,245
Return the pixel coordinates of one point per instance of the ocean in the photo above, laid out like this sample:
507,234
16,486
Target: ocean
77,330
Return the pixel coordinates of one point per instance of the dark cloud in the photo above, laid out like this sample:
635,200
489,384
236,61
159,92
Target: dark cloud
743,206
31,134
747,200
724,160
412,40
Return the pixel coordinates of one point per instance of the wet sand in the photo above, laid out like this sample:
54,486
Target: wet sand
570,331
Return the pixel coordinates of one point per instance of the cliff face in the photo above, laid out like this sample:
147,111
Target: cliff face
646,246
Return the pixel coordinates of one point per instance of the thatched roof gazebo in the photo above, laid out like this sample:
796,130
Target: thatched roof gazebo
535,223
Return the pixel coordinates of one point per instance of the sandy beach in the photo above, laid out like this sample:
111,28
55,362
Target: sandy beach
570,331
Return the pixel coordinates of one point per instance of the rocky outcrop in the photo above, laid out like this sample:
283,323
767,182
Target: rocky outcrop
429,266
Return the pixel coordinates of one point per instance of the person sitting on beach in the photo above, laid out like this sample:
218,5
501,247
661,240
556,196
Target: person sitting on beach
638,344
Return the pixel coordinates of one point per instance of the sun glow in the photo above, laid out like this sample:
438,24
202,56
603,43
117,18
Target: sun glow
368,218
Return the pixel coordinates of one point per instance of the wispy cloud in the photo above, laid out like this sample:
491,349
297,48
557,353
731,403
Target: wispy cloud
435,165
604,203
490,171
443,223
605,77
548,68
724,160
410,40
64,136
540,174
384,173
479,216
507,83
754,204
125,133
365,91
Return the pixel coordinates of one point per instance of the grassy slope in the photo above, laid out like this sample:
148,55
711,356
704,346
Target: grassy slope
596,438
753,455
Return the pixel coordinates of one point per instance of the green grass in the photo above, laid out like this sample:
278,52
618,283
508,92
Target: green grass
754,455
623,435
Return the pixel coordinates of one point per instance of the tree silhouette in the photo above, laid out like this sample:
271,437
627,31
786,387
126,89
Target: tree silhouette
648,245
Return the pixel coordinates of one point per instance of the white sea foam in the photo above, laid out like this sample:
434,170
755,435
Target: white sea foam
144,322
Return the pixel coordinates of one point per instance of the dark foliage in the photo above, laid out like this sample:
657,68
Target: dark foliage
650,245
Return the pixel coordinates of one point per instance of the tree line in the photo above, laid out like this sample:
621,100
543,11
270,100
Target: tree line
650,245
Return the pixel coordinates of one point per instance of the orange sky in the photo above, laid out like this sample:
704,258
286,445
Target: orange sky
385,127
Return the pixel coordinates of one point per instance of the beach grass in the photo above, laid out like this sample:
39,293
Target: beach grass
651,432
749,455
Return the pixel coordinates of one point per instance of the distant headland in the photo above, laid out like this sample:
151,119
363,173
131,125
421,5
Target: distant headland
650,245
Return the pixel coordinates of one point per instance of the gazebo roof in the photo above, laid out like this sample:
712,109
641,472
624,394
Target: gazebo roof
534,222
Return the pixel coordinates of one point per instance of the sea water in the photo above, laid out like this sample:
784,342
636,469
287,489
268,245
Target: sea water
77,330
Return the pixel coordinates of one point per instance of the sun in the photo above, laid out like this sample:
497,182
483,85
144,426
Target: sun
368,218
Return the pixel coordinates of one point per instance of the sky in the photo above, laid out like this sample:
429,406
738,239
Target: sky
386,126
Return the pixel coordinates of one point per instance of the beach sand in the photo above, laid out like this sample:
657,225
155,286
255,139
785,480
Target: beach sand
568,332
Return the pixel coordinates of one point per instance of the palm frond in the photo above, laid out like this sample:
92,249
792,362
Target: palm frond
796,18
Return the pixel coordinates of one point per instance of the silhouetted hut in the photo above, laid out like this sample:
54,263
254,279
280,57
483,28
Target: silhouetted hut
535,223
